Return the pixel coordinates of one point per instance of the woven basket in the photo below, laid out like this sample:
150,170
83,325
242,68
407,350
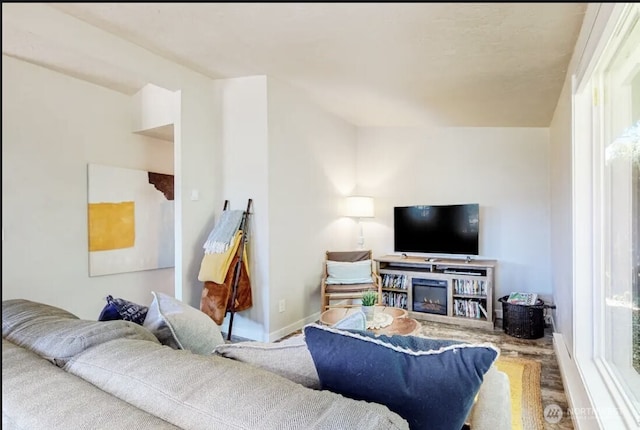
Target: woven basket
523,321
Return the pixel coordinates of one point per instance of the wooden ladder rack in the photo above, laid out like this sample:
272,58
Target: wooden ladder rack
238,267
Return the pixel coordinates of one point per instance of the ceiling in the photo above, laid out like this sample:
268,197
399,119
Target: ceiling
373,64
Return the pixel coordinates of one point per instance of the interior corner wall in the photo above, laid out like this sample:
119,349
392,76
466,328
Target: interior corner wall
312,166
242,106
504,170
296,162
53,125
560,137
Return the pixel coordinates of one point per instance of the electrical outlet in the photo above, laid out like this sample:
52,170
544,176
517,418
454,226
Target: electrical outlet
282,305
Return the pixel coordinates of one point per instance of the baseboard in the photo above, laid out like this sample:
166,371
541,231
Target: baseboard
239,334
574,389
278,334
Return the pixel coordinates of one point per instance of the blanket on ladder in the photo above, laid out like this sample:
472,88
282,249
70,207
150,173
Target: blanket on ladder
220,238
217,297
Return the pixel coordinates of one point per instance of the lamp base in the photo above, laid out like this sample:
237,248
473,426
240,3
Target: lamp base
361,237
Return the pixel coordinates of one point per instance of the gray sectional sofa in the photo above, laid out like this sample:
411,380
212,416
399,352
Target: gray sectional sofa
62,372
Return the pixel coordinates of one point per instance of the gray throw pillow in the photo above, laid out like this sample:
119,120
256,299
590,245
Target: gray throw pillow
289,358
181,326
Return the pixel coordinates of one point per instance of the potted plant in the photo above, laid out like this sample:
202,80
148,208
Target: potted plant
369,299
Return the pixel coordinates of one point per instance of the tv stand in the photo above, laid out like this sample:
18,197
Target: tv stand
449,290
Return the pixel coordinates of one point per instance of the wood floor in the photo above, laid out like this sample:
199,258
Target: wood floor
540,350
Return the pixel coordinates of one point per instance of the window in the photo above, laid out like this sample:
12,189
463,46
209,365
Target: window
607,221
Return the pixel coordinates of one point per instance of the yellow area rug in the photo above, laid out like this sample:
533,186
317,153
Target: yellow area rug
526,402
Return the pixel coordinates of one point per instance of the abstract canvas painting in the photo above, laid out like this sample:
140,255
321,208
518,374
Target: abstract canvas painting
130,220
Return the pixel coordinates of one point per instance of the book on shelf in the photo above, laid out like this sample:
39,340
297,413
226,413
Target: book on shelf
483,310
522,298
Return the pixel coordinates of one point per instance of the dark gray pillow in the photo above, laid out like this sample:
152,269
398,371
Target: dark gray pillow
58,335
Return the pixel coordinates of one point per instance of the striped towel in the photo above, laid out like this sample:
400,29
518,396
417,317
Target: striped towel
222,234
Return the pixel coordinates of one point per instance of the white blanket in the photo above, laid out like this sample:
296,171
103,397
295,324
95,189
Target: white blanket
222,234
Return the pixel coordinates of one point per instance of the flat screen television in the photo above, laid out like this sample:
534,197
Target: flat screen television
443,229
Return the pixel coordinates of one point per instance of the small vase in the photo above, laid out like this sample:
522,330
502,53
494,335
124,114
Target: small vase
368,312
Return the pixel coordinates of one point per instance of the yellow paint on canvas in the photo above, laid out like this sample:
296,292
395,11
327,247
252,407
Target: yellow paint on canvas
111,226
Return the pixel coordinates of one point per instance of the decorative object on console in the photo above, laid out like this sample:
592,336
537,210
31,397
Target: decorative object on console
438,393
181,326
359,207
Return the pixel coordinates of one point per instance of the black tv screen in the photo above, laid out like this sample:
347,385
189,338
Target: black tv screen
444,229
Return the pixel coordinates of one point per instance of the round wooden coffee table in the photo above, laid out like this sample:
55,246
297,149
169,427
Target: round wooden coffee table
401,324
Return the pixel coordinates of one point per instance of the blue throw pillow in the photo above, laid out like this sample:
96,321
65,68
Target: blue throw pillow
121,309
429,382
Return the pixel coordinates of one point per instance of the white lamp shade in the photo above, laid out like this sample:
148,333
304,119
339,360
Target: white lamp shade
359,207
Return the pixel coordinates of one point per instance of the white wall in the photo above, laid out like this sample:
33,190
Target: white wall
561,216
505,170
198,166
295,162
308,167
312,166
243,130
197,156
52,127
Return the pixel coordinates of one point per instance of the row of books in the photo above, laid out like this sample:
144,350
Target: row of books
469,309
396,300
394,281
469,286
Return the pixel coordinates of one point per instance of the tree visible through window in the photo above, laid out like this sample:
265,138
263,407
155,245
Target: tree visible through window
617,81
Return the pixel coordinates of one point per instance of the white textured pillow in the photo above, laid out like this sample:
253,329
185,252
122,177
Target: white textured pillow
181,326
344,272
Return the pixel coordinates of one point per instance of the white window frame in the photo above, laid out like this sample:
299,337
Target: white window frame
611,406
